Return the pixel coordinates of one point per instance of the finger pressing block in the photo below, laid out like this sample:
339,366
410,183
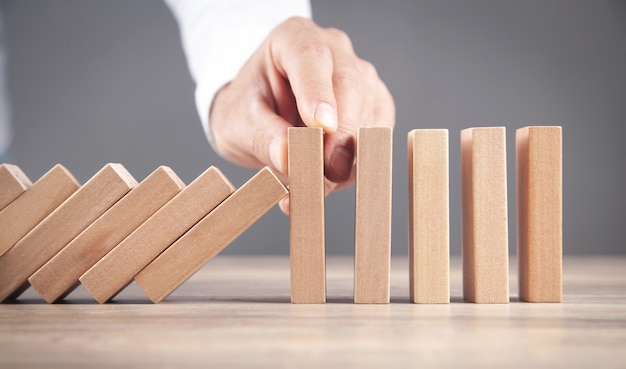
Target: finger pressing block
61,226
13,182
59,276
31,207
116,270
211,235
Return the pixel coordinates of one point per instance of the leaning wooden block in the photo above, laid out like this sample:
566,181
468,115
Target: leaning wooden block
61,226
539,213
13,182
372,239
485,227
59,276
306,215
31,207
429,227
116,270
211,235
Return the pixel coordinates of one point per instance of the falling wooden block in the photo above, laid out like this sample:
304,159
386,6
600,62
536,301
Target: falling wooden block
59,276
13,182
539,213
211,235
116,270
372,240
429,227
485,228
306,215
31,207
61,226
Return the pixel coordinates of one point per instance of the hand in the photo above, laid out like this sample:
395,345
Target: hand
301,75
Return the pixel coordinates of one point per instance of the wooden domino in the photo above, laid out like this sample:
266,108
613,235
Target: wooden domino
539,213
61,226
59,276
485,227
306,215
429,228
13,182
211,235
372,240
116,270
32,206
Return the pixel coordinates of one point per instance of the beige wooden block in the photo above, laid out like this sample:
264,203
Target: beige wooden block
211,235
429,226
116,270
13,182
485,227
306,215
539,213
31,207
59,276
372,239
61,226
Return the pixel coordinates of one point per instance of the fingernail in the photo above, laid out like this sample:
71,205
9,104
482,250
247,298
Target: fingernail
325,116
340,162
277,154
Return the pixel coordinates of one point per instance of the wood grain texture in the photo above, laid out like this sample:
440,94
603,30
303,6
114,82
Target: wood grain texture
13,182
485,227
429,225
59,276
61,226
211,235
31,207
306,215
539,213
117,269
372,239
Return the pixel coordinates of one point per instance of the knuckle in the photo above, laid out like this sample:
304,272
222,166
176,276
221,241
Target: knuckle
340,37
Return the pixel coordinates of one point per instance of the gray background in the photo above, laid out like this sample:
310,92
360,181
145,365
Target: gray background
106,81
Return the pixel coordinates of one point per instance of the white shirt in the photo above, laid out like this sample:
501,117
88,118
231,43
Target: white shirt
219,36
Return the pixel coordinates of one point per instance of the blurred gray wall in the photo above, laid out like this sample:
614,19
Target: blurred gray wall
106,81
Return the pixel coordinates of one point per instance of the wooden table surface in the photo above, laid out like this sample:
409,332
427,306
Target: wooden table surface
235,312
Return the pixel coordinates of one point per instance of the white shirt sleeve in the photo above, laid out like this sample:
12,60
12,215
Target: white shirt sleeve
219,36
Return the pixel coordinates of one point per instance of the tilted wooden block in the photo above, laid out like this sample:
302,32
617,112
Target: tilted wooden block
116,270
13,182
211,235
61,226
31,207
372,240
429,226
59,276
539,213
485,227
306,215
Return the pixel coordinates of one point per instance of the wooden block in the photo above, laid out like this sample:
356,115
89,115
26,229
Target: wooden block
539,213
13,182
372,239
211,235
59,276
429,226
485,227
116,270
306,216
31,207
61,226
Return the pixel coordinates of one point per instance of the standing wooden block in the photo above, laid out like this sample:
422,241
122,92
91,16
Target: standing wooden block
211,235
116,270
13,182
372,239
61,226
59,276
306,216
485,227
31,207
539,213
429,226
